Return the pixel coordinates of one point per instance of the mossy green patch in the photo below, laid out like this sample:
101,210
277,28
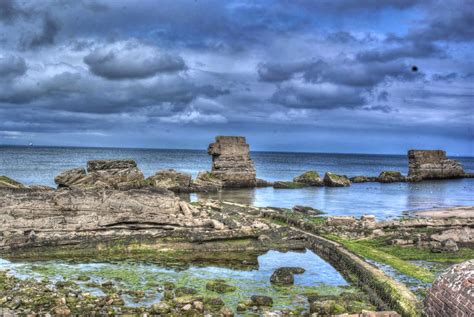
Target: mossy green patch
8,180
373,252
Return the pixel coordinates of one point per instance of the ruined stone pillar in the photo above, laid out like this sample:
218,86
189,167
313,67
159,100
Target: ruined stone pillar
231,162
433,164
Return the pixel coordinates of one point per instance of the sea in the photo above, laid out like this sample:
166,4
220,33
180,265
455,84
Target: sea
39,165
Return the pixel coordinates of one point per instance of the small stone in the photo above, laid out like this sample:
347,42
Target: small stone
187,307
161,308
199,306
261,300
226,312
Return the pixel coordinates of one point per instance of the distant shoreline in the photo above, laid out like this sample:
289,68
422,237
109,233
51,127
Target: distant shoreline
447,212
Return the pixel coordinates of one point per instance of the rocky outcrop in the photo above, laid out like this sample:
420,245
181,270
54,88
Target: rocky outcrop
310,178
7,182
111,174
172,180
390,177
206,182
451,293
81,219
424,164
231,162
334,180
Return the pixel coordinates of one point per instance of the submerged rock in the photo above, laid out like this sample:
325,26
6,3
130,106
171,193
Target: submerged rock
261,300
116,174
334,180
172,180
310,178
220,286
231,162
7,182
288,185
284,275
390,177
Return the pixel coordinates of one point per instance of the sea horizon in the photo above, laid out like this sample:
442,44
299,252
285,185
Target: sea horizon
251,151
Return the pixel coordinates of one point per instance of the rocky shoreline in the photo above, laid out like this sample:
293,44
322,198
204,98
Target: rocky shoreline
110,208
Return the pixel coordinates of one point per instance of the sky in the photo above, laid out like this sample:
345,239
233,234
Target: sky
348,76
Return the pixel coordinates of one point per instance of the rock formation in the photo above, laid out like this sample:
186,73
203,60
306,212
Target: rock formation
310,178
334,180
452,292
390,177
172,180
77,218
424,164
116,174
231,162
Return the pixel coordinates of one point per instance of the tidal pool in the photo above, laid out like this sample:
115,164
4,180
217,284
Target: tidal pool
140,283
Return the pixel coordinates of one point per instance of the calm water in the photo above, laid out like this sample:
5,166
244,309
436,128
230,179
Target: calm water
147,276
39,165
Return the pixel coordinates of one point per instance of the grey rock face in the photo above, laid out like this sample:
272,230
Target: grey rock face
334,180
206,182
171,180
231,162
424,164
112,174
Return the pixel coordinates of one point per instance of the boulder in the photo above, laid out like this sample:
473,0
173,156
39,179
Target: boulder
310,178
172,180
284,275
334,180
425,164
231,162
288,185
116,174
359,179
390,177
7,182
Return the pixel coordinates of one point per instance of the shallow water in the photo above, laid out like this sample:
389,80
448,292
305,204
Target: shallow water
136,275
39,165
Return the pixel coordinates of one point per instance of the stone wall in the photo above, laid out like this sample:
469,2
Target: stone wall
231,162
433,164
452,293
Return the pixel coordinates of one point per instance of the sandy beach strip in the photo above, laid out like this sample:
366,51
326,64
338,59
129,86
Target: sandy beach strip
459,212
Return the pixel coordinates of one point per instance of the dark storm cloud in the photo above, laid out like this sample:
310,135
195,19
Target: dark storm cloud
131,60
12,66
10,11
110,67
47,35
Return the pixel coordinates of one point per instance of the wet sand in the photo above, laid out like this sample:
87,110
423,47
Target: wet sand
459,212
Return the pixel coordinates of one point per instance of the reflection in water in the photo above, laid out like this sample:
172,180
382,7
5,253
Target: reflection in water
381,200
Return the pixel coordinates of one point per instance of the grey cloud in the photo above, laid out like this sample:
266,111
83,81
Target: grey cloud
445,77
382,96
381,108
324,96
12,66
49,31
10,11
273,72
418,49
132,60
